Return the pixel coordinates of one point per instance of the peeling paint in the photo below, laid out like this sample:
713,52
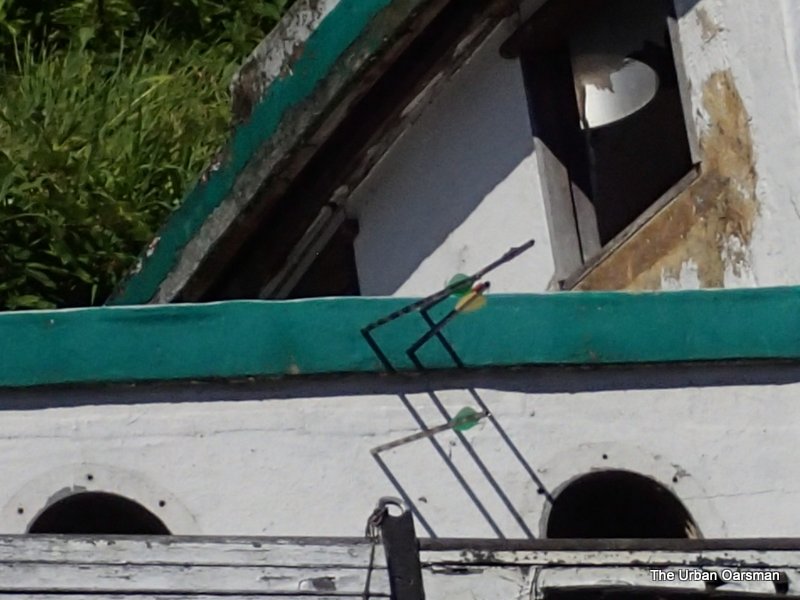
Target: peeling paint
706,231
710,29
322,584
293,369
688,278
273,59
151,247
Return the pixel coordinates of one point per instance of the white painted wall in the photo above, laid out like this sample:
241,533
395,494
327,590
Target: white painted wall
462,184
292,457
757,41
457,190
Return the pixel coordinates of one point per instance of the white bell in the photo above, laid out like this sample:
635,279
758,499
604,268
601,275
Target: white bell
609,83
613,88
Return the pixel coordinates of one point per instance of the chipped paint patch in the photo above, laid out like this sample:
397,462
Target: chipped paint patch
293,369
709,27
151,247
688,279
708,228
275,58
316,584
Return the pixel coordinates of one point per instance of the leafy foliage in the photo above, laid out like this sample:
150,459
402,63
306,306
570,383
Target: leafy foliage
236,25
108,111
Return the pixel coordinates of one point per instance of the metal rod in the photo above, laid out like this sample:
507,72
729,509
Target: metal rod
401,547
445,293
412,351
423,435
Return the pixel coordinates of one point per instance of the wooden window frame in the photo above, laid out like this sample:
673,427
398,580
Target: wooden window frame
572,221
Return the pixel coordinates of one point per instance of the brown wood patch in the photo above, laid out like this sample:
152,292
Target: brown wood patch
709,225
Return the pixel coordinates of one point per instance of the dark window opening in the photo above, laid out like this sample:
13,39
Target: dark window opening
333,271
605,100
618,504
98,513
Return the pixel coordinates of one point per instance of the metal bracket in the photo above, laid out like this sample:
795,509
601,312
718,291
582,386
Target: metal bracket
401,547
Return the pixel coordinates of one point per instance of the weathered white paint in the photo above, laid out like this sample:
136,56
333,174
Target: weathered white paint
200,551
66,480
687,279
757,42
553,569
277,48
301,595
643,577
205,567
457,189
293,458
118,567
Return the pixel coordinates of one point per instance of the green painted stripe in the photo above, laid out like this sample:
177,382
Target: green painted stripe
240,339
322,50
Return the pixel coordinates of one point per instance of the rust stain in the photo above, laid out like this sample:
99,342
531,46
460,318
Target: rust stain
298,49
246,92
252,81
710,224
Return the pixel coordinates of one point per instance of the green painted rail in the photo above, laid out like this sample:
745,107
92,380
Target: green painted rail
268,339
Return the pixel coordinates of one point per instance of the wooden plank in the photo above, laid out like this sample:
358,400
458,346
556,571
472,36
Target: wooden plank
751,559
507,583
185,579
685,87
561,159
191,566
107,596
304,253
586,217
51,568
685,545
259,552
626,234
561,221
643,578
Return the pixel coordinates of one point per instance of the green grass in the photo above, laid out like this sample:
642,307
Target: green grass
98,146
